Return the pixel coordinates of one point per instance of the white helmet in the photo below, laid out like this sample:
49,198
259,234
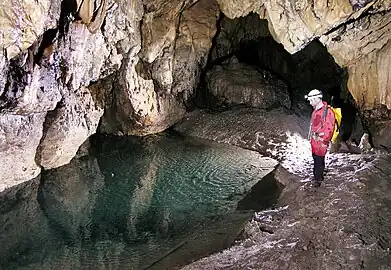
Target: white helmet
315,93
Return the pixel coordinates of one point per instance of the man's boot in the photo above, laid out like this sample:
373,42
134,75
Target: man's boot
317,182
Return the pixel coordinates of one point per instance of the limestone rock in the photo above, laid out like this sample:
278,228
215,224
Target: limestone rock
121,30
139,108
358,39
369,80
236,83
22,22
158,29
194,40
250,41
77,59
296,24
162,72
3,71
176,39
293,24
67,127
84,55
31,89
233,8
381,135
234,32
19,139
364,143
378,122
350,30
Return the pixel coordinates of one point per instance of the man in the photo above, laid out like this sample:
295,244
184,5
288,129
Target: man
321,132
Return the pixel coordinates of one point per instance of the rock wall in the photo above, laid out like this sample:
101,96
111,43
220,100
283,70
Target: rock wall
61,68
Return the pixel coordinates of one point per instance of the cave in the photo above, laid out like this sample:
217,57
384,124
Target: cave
247,41
96,93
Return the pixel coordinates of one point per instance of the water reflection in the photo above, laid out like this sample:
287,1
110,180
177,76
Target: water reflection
67,197
133,203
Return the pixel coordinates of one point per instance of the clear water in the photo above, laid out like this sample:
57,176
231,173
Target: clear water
132,203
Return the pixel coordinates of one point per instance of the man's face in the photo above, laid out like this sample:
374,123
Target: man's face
314,101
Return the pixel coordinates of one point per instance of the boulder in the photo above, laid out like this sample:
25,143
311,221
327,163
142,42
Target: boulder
236,83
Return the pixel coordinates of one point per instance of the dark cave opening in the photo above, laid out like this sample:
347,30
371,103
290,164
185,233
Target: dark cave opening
247,42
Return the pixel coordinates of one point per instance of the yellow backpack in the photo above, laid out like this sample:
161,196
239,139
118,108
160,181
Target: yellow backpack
337,125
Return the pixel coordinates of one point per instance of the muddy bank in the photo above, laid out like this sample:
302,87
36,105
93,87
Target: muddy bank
344,224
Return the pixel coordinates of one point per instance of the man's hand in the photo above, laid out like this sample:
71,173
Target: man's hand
318,136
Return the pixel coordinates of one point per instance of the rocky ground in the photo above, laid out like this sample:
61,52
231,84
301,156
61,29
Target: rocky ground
344,224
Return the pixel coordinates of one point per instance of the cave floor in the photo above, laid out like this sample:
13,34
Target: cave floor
344,224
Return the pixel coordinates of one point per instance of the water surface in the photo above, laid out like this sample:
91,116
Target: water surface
132,203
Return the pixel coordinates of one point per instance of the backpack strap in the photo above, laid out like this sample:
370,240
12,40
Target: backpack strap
324,114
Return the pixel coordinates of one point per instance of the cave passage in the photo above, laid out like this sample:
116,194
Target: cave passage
132,202
247,67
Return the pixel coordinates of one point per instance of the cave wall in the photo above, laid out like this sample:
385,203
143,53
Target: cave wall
248,38
135,65
62,72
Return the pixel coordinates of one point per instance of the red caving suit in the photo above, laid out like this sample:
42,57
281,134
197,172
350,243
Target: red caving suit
321,125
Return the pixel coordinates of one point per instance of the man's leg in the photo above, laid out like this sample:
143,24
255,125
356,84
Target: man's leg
319,165
322,167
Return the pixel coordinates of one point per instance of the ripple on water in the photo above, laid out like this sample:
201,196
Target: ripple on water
138,198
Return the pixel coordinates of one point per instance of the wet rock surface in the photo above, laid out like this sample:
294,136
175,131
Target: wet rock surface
278,133
341,225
